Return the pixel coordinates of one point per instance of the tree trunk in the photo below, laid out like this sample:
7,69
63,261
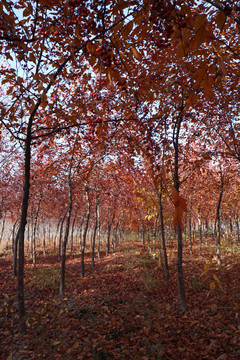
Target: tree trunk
143,235
56,234
15,254
85,231
3,227
44,239
181,284
60,237
109,226
206,233
64,244
148,238
35,229
72,233
218,221
190,226
163,236
98,233
95,230
21,231
200,230
238,230
116,235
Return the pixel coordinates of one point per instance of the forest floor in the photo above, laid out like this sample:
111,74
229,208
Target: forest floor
123,309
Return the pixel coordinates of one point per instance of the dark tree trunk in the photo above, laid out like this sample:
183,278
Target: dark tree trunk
148,237
64,244
21,231
60,237
200,230
56,234
163,236
181,285
44,239
238,230
143,234
115,244
3,227
109,225
85,231
98,233
72,233
95,229
206,233
35,230
218,220
15,252
15,248
190,226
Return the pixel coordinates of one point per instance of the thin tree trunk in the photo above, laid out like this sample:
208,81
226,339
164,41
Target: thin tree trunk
148,237
23,222
85,231
44,239
95,229
3,227
35,229
108,234
200,230
64,244
230,230
218,221
98,233
56,234
159,194
181,284
72,233
160,253
143,235
238,230
15,254
190,226
81,227
60,237
206,233
116,241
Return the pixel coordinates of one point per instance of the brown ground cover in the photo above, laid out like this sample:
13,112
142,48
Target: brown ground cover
123,309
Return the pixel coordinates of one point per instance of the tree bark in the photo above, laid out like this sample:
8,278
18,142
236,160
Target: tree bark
72,233
55,237
109,225
159,194
21,231
98,234
3,227
218,220
35,230
85,231
200,230
15,252
95,229
238,230
190,226
64,244
60,237
181,285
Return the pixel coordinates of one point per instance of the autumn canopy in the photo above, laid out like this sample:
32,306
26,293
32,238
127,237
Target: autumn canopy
118,119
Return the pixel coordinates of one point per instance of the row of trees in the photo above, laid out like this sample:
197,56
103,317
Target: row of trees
151,83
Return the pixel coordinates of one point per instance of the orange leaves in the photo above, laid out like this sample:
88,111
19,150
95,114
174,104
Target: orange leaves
200,29
136,53
180,207
220,19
